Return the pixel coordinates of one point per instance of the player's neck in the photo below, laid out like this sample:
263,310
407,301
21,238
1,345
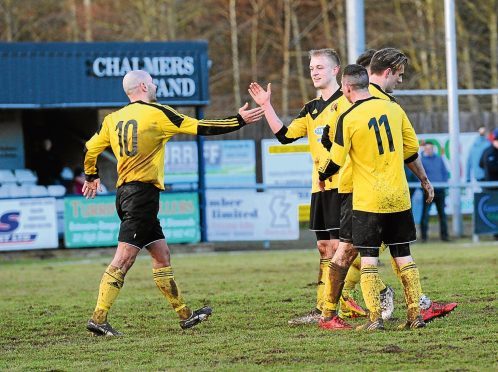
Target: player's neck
377,80
360,95
136,98
327,92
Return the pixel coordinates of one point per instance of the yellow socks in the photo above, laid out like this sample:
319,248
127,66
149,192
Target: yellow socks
110,285
323,274
411,287
352,277
370,288
165,281
333,288
395,267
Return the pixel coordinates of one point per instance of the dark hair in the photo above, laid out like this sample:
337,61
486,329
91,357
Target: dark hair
365,58
328,52
387,58
357,76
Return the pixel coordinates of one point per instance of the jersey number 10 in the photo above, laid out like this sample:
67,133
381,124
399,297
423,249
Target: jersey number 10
382,121
123,137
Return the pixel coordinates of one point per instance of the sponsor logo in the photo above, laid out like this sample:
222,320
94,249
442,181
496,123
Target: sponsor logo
488,212
319,130
9,222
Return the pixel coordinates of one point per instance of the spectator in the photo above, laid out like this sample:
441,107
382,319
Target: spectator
78,181
47,165
489,161
436,172
474,171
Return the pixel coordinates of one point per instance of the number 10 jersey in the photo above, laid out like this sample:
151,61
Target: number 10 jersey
137,134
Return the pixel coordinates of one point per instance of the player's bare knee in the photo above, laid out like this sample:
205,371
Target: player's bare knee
322,247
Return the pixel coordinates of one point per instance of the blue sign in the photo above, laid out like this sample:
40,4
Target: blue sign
228,163
90,74
486,212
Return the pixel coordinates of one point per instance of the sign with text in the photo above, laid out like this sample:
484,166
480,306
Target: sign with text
486,212
95,223
289,164
90,74
229,162
249,215
28,224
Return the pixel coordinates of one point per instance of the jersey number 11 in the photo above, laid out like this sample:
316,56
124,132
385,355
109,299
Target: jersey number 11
382,121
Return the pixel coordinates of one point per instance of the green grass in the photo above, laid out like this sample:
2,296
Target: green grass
45,304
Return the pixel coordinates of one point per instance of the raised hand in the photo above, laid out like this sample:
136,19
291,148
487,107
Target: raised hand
258,94
251,115
90,188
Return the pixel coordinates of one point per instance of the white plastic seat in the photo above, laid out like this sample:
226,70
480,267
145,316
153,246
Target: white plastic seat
4,192
56,190
7,177
38,190
25,176
16,191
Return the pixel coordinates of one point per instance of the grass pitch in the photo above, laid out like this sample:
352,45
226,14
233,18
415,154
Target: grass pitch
45,304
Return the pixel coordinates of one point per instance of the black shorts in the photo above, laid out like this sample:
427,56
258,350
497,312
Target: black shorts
137,204
346,228
371,229
325,211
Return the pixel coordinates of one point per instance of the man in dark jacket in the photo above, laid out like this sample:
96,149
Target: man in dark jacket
489,161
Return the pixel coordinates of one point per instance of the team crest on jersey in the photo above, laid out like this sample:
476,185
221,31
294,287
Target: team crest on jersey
319,131
333,107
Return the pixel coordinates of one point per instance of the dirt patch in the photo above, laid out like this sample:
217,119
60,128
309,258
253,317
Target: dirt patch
391,349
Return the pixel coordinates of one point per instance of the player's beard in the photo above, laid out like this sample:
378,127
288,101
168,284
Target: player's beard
151,93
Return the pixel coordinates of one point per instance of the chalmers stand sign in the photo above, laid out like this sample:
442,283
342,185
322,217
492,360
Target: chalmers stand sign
90,74
173,75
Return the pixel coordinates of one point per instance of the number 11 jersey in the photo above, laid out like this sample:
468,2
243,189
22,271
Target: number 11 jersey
378,137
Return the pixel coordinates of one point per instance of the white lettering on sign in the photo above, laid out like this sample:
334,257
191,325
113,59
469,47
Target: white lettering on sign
169,72
156,66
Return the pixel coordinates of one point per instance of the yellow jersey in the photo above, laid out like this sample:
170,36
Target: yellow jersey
378,137
137,134
345,173
310,122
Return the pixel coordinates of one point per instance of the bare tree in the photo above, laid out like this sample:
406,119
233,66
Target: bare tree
8,16
87,4
235,53
286,58
299,55
256,7
493,48
324,4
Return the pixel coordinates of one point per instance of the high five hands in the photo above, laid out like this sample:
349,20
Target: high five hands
258,94
250,115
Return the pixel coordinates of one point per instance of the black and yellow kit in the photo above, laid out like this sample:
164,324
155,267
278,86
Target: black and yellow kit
379,138
137,134
314,116
345,173
310,122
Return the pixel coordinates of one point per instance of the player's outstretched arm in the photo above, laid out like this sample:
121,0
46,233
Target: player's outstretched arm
418,170
251,115
262,98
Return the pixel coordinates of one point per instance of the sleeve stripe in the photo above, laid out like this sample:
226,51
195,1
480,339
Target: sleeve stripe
172,115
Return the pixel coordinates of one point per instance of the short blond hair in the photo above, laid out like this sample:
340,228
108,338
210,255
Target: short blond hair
327,52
